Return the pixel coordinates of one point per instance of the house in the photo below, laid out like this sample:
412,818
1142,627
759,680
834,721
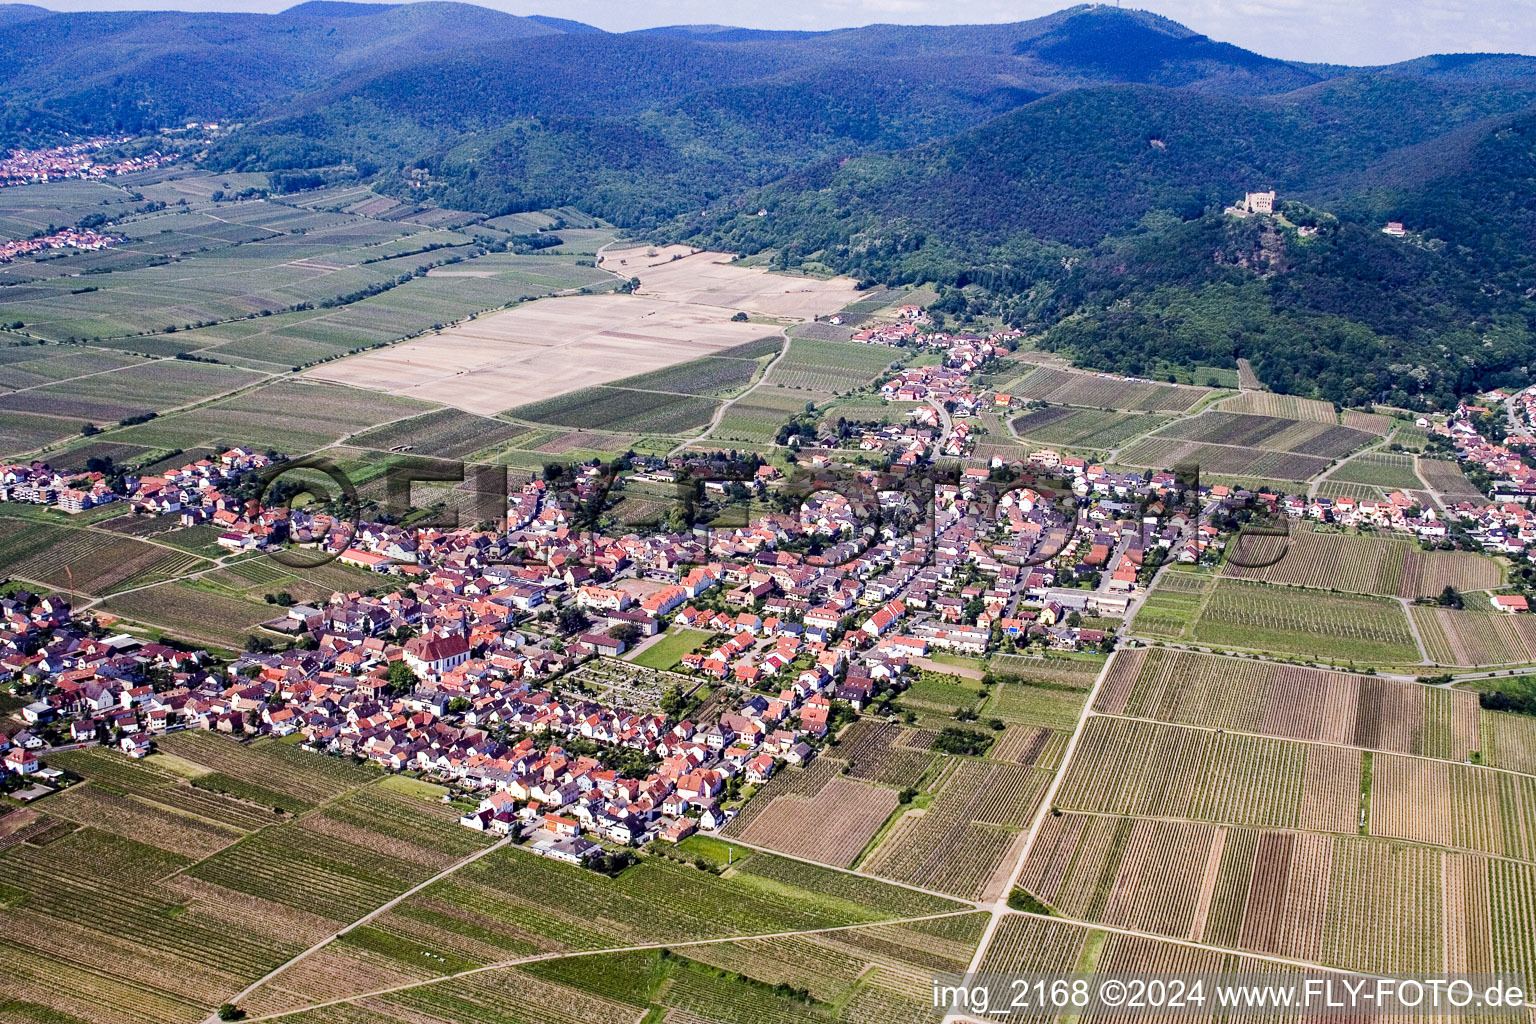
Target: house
1510,603
135,746
22,762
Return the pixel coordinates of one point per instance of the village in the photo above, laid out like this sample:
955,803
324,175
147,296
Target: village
75,160
495,660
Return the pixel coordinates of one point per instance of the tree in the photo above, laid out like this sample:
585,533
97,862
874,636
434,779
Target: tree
572,619
1450,597
229,1011
625,631
458,705
401,678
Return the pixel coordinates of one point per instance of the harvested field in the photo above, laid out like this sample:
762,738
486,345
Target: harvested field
832,827
541,349
1105,391
1468,639
1358,563
684,275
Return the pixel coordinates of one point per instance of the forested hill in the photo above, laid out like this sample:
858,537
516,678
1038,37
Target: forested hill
1046,170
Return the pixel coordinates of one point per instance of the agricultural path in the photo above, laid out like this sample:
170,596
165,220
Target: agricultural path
382,909
1001,910
611,951
714,422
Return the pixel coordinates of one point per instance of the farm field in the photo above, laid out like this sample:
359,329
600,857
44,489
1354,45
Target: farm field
605,408
1293,702
1347,901
89,561
1257,781
1467,638
104,398
1083,428
194,612
1328,487
757,416
1073,670
291,416
542,349
1316,626
1103,391
1386,470
443,433
1358,563
882,752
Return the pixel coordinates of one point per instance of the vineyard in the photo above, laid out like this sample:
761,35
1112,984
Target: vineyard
1317,626
1174,604
878,752
804,782
1289,407
828,366
956,843
1358,564
100,562
1447,480
1347,901
1469,639
1027,704
1078,671
1165,453
1293,702
831,827
1223,777
1387,470
1325,440
1066,387
1083,428
510,903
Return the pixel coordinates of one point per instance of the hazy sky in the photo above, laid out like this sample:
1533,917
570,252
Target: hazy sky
1340,31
